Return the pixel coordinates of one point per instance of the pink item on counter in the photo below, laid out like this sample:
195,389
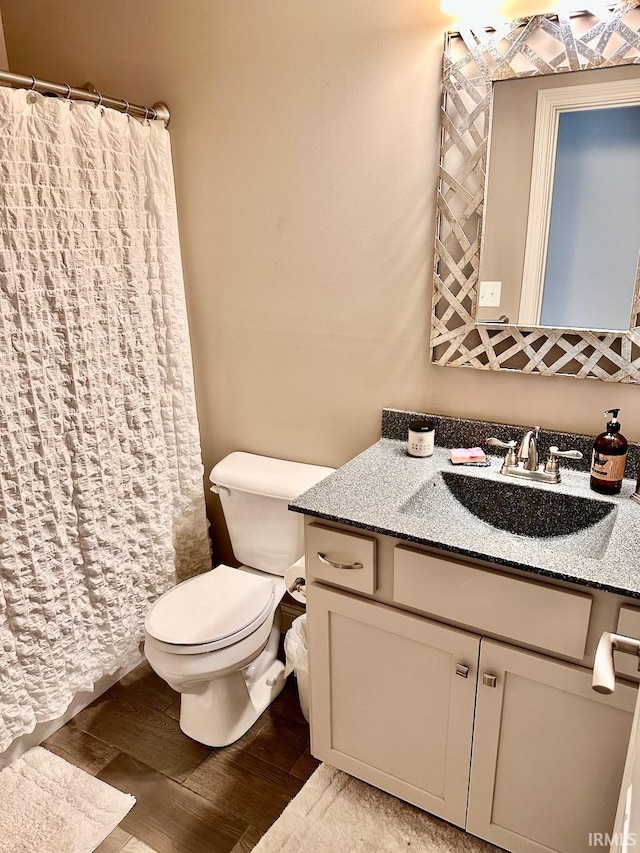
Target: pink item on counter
467,454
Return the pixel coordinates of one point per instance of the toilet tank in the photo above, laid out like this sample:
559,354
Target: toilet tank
255,492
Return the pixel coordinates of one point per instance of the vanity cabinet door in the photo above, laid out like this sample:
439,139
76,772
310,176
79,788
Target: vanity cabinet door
387,702
548,753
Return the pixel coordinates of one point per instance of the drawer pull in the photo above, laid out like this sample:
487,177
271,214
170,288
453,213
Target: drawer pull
489,680
462,670
327,562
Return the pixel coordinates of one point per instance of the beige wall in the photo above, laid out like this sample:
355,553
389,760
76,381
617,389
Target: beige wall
4,62
305,139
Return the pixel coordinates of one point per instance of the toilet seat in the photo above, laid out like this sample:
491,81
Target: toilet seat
211,611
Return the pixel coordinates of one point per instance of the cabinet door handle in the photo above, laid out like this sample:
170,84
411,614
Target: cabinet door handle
462,670
327,562
489,680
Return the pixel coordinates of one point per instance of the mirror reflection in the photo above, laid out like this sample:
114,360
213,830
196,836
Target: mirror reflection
562,218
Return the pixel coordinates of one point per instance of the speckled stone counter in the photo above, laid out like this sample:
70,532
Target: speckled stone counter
386,491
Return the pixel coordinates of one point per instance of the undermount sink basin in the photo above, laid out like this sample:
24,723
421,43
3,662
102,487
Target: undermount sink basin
582,525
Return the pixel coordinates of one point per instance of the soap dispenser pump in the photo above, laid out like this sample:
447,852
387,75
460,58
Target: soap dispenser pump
609,458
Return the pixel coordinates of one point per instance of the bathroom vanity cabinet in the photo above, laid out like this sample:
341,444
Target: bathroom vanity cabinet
466,689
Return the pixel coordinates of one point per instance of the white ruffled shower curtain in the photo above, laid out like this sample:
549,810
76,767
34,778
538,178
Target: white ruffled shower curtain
101,495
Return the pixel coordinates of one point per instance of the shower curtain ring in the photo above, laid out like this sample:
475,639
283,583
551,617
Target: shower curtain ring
68,95
146,113
126,112
100,99
33,83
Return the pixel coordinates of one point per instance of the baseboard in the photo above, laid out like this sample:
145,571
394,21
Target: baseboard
44,730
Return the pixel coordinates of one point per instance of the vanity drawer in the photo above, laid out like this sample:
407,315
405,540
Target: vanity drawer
532,613
341,559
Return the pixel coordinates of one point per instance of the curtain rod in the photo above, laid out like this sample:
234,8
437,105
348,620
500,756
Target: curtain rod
159,111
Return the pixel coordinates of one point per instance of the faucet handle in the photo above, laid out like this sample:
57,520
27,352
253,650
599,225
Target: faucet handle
566,454
511,445
510,459
551,466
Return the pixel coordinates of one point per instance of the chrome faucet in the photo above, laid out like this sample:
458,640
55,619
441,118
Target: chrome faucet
524,462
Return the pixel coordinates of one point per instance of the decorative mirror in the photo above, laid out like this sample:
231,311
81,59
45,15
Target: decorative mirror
541,119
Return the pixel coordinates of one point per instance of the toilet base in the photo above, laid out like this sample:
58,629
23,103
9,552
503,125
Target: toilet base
228,707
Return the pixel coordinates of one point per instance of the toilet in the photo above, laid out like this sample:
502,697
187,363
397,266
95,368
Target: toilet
214,638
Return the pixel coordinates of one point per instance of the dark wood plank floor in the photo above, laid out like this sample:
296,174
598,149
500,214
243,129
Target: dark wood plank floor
190,798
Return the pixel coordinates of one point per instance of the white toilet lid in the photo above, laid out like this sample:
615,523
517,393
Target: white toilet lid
222,603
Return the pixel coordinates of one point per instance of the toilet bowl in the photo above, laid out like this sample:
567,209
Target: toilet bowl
214,638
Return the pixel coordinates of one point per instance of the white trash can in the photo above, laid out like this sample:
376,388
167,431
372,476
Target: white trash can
296,651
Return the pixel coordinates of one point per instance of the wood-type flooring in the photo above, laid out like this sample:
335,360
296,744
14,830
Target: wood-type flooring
190,798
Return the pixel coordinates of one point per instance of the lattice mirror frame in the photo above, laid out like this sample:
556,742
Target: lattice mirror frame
473,60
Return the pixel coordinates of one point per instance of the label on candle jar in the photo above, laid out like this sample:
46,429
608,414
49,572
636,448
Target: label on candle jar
421,443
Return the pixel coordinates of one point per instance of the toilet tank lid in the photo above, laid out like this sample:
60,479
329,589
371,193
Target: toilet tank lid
263,475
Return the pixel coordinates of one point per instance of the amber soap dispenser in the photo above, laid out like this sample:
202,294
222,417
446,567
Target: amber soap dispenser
609,458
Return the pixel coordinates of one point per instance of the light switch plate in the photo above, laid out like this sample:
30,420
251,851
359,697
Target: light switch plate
490,293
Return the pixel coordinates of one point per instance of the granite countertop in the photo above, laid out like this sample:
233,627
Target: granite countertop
385,490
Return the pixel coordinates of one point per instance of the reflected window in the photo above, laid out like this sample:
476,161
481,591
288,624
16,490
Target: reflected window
594,232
